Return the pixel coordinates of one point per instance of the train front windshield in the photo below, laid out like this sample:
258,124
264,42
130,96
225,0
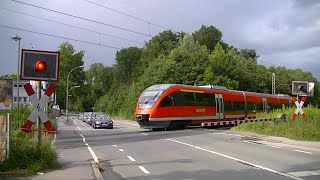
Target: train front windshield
148,98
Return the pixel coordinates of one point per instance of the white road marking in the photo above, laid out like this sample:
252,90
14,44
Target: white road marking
81,135
237,135
238,160
303,151
305,173
114,145
144,134
144,170
95,158
272,146
131,159
84,139
74,121
250,142
121,150
180,142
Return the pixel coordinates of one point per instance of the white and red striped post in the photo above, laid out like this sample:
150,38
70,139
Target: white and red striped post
299,107
38,106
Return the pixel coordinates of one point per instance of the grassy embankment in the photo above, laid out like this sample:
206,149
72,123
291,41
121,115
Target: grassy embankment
26,156
299,129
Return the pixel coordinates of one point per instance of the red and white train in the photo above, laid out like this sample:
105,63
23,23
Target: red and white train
174,105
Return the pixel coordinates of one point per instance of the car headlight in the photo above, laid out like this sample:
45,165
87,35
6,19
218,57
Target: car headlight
97,122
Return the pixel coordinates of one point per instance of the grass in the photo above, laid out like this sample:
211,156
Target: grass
298,129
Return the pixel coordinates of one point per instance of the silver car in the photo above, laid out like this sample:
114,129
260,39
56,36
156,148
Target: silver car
101,120
87,117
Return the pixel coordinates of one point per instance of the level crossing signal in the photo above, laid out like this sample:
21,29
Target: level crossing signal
39,65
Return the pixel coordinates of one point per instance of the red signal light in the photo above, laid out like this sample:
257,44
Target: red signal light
40,66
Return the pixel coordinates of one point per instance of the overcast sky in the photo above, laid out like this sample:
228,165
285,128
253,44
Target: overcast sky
284,33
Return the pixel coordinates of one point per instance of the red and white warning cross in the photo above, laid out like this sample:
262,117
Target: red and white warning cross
38,108
299,107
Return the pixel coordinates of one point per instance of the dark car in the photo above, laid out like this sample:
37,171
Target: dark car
101,120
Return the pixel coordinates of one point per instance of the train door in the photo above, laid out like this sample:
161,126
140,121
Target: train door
265,105
219,106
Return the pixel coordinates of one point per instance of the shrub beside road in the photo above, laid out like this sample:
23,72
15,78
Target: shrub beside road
298,129
26,155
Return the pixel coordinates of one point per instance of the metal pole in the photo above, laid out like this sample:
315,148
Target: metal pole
18,99
38,119
8,135
67,93
67,98
273,83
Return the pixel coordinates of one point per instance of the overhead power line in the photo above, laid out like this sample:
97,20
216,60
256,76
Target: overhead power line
129,15
61,37
72,26
82,18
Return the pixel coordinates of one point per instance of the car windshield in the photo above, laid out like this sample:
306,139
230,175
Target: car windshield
102,116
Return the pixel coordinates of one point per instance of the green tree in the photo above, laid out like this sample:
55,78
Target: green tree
249,54
189,43
208,36
127,62
9,76
69,59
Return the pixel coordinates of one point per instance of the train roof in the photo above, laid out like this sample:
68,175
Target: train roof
214,87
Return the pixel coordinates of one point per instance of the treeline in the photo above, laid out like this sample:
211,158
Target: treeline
199,58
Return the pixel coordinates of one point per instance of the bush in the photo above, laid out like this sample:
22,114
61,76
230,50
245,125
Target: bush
27,156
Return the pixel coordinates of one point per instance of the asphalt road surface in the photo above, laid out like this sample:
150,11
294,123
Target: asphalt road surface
129,152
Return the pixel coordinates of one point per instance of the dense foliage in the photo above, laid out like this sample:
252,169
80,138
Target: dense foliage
199,58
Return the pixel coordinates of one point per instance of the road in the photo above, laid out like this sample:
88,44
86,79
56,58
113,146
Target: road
129,152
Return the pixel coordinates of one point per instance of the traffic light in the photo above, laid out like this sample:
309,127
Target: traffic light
39,65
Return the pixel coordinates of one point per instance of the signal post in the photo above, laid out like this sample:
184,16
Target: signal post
300,91
40,66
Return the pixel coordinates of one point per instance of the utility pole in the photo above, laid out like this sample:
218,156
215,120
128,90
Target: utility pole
273,83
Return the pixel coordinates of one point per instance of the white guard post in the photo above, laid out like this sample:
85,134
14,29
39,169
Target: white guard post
38,108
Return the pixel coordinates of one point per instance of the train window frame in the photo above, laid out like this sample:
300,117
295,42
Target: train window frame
192,99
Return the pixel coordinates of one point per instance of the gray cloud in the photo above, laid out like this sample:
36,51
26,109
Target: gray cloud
282,32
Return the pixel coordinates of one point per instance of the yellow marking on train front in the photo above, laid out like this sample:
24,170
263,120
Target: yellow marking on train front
185,90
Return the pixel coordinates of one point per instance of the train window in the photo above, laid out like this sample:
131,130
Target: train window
260,106
192,99
167,101
251,106
178,98
203,99
228,105
189,99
